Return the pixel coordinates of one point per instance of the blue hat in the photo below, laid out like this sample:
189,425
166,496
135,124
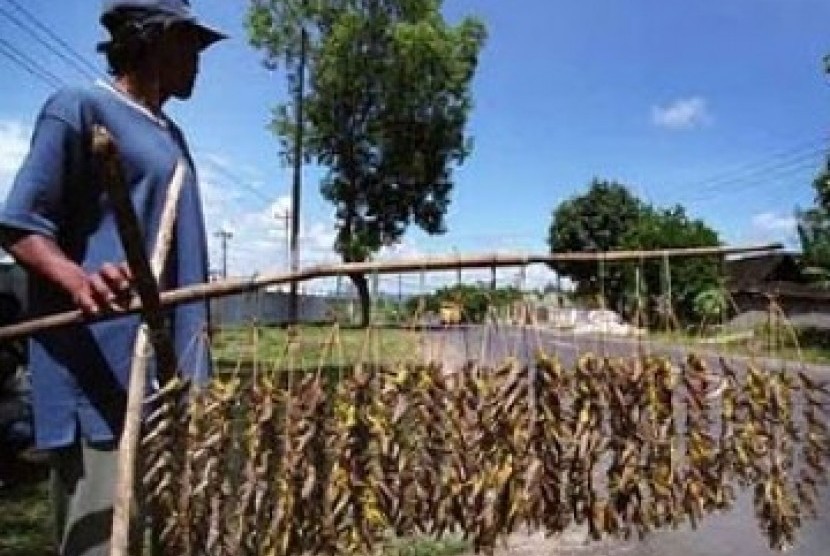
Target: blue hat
166,12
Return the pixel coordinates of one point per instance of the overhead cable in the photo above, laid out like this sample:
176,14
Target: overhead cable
66,51
29,65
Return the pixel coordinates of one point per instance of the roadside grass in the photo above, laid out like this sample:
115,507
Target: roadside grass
25,520
745,345
426,546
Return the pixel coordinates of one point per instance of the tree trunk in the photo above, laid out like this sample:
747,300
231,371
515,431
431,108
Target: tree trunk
362,286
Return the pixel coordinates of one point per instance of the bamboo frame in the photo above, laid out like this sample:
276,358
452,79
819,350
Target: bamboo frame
244,285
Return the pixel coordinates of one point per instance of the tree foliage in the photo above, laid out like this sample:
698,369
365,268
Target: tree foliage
475,300
595,221
711,305
813,224
671,284
387,104
813,227
609,217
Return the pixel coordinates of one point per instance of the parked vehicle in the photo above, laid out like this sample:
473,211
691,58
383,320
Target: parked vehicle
450,313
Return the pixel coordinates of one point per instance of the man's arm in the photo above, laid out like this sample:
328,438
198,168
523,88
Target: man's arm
106,289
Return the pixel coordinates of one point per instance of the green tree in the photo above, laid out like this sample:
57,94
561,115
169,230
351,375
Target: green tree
475,300
387,106
813,227
672,284
821,184
712,304
595,221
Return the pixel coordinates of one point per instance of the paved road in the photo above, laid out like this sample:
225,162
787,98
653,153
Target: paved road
497,343
734,533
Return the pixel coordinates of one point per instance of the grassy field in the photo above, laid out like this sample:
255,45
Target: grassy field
24,508
313,346
24,520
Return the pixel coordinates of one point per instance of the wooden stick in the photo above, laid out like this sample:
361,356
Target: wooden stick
142,355
129,229
237,286
152,333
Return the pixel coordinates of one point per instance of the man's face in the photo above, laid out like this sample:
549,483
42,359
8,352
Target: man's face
179,60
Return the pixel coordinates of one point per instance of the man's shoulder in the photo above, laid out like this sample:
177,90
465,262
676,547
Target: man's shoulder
76,94
72,103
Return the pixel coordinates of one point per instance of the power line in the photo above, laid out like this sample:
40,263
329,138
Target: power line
235,178
774,162
797,162
49,46
29,65
819,143
755,181
775,169
71,55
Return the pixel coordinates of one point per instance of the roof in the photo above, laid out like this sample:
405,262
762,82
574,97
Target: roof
755,271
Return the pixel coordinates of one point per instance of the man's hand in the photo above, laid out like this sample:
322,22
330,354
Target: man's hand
108,289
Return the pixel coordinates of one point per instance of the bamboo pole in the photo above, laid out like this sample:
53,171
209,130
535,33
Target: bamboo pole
142,355
244,285
107,158
152,335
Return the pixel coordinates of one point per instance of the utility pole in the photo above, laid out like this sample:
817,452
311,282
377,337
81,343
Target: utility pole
285,218
298,166
458,270
224,235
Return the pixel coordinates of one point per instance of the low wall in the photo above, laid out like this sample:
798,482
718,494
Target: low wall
266,308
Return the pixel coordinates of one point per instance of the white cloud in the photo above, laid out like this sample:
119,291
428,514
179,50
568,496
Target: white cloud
769,227
260,228
14,143
681,114
319,237
281,208
774,223
403,250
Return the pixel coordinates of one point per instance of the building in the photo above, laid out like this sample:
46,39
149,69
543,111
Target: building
775,284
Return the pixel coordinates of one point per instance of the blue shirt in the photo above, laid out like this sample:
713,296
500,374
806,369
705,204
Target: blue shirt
80,373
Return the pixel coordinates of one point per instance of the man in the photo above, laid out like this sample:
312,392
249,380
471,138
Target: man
58,223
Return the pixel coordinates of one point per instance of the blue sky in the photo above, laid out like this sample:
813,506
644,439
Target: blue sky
720,105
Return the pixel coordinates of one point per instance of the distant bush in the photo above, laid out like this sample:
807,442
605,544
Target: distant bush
475,301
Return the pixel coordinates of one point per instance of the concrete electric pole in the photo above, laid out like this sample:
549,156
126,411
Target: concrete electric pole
224,235
298,165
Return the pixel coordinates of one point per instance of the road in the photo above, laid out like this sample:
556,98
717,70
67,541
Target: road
734,533
497,343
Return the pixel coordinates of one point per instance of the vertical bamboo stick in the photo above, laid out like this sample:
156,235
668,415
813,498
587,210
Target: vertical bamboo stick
152,336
